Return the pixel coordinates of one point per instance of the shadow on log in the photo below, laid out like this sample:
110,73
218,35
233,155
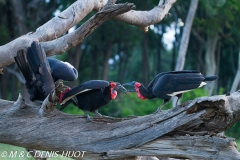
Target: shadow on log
190,132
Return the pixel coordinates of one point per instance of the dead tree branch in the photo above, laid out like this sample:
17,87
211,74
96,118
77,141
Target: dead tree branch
60,24
202,118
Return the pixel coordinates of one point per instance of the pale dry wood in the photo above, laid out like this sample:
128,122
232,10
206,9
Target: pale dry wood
15,73
106,137
70,40
192,147
144,19
57,26
237,77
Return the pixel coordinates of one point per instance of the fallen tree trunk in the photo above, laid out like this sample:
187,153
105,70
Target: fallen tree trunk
162,134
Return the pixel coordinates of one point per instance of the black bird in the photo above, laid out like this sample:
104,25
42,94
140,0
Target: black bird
168,84
91,95
36,71
40,72
62,70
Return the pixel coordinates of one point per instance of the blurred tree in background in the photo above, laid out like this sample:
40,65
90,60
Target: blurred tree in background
121,52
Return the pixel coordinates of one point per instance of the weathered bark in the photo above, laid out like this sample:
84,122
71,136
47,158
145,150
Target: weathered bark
73,15
237,77
111,137
186,34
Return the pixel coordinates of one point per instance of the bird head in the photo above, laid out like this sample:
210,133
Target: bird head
115,87
136,88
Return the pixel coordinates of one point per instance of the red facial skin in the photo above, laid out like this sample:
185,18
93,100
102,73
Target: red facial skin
62,94
113,93
137,85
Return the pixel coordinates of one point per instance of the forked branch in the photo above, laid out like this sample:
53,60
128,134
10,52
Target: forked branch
50,32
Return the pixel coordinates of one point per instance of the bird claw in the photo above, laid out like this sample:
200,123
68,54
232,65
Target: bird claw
158,110
98,114
89,119
175,108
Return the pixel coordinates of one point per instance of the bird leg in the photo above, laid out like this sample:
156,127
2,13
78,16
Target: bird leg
179,96
160,107
97,113
88,117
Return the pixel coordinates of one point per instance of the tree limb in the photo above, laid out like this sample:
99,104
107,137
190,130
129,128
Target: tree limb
72,39
112,136
60,24
15,73
144,19
237,76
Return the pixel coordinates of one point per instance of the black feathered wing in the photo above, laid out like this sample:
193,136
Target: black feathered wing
84,87
62,70
173,84
155,79
39,65
23,65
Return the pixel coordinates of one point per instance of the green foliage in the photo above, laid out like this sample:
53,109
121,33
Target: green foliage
234,131
2,1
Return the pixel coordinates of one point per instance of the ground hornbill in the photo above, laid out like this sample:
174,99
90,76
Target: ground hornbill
168,84
40,73
91,95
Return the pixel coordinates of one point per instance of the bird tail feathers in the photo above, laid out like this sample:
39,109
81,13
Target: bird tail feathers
36,56
23,65
210,78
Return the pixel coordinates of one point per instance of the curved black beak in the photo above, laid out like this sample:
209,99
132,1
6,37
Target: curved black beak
130,84
119,87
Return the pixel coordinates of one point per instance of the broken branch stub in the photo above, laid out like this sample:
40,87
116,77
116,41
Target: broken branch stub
48,108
